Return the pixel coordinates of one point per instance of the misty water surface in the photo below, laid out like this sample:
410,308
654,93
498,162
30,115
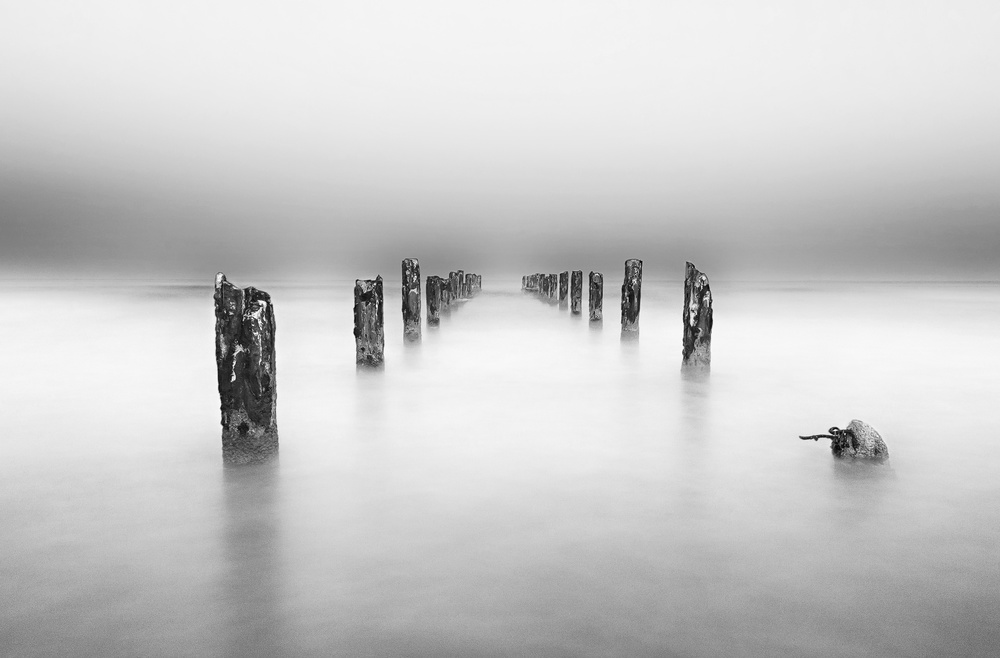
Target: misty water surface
522,483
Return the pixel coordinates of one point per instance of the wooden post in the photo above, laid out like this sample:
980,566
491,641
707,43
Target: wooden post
433,301
563,286
411,299
369,324
245,360
460,289
470,285
697,349
596,297
631,295
576,292
479,283
445,293
554,287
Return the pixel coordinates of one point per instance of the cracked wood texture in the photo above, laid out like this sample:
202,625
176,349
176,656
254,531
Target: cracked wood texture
563,286
631,295
697,350
433,300
576,291
596,296
245,358
369,324
411,299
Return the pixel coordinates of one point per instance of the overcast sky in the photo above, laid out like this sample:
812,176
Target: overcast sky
786,138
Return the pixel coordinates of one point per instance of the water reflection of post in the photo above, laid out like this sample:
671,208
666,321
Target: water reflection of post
250,588
695,391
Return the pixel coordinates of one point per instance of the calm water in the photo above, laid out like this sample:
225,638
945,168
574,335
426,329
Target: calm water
520,484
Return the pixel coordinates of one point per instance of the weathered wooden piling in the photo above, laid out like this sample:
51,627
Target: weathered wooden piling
445,293
369,325
479,283
433,301
470,285
554,287
631,295
576,291
697,350
245,360
596,296
411,299
563,286
461,291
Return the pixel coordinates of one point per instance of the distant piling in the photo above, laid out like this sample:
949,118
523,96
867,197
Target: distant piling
411,299
460,278
554,287
369,326
470,285
576,292
596,296
563,286
245,361
631,295
433,301
697,350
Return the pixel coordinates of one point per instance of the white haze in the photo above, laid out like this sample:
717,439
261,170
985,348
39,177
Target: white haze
826,138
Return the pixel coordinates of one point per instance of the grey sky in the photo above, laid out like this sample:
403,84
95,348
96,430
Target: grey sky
755,138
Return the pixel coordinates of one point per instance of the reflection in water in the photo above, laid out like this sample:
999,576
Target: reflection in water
251,582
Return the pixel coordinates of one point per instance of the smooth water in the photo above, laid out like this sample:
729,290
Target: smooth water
522,483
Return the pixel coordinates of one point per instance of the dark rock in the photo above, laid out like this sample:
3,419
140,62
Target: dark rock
596,296
858,440
576,291
697,350
369,325
411,299
245,359
631,295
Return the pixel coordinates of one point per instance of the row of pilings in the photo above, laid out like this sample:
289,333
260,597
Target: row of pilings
245,354
696,350
441,293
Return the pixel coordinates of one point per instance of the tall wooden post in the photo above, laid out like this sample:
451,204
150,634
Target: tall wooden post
631,295
697,349
576,291
245,361
369,324
461,291
596,296
411,299
433,301
470,285
563,286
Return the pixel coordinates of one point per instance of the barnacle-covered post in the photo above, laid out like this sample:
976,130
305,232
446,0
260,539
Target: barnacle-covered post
433,301
596,296
576,291
563,286
369,326
411,299
631,295
245,359
697,350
